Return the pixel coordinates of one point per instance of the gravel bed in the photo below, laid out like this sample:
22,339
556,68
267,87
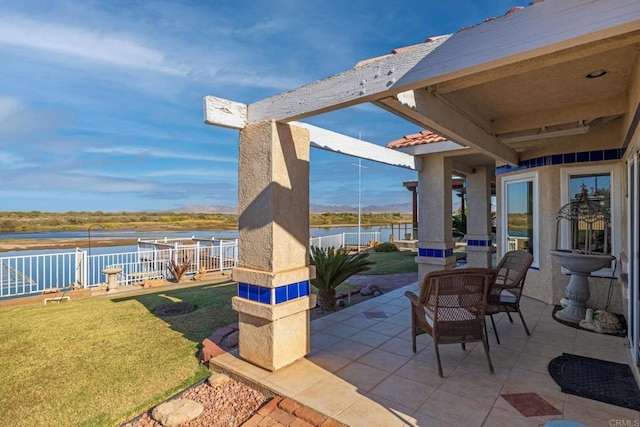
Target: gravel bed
227,405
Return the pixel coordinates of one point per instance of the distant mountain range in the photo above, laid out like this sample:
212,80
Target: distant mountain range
315,209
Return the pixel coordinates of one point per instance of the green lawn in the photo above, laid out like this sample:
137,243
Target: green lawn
392,262
103,360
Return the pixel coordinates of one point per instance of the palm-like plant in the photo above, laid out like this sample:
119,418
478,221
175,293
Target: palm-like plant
334,266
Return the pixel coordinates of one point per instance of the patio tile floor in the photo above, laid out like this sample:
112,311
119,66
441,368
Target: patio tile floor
362,372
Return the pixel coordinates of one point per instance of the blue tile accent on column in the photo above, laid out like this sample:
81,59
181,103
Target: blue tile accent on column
264,295
274,295
304,288
253,293
435,253
281,294
483,243
292,291
556,159
243,290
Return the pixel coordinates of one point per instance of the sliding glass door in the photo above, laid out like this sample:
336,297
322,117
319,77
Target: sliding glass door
633,180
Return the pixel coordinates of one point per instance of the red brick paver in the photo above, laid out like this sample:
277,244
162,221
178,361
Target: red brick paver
289,413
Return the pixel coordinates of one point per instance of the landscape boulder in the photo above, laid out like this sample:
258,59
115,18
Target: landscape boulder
218,379
365,292
153,283
176,412
370,290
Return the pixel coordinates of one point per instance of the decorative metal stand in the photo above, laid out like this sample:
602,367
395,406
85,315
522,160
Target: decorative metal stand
591,218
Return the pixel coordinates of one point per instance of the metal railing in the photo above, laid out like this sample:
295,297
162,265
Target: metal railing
401,231
360,240
324,242
516,242
35,274
348,240
31,274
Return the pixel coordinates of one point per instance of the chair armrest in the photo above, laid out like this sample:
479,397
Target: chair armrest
412,297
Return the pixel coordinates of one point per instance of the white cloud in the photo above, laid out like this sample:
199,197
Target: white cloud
8,107
203,173
11,161
152,152
92,45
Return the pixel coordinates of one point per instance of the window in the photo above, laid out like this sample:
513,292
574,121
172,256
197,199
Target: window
601,184
520,214
596,237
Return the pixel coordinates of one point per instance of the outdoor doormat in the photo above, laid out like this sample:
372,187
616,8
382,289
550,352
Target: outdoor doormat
531,404
607,382
623,323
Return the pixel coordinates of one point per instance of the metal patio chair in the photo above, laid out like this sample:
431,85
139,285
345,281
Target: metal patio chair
505,292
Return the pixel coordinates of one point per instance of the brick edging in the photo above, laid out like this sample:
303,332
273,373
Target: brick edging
212,345
288,412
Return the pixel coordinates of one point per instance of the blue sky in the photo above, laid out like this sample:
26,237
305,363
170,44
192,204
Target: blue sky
101,101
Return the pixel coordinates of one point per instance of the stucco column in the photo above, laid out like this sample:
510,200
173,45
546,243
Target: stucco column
273,274
479,244
435,229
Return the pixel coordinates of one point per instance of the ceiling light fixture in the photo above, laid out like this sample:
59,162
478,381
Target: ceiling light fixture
596,74
544,134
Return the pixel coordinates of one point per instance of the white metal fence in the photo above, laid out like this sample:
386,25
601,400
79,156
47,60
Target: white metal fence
399,232
35,274
30,274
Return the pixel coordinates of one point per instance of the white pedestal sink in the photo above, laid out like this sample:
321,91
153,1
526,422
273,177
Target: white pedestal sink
581,266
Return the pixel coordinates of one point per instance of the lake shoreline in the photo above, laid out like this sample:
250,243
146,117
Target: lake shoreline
12,244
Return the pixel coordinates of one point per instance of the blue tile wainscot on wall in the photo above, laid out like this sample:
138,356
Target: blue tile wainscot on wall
564,159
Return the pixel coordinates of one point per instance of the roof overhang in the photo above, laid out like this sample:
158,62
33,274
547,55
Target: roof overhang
513,76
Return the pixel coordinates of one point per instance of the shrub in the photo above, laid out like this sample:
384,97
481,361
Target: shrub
385,247
333,267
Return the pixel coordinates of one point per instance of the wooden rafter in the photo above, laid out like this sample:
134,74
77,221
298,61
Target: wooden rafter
426,110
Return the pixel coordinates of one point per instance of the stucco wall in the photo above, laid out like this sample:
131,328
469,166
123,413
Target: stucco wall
548,283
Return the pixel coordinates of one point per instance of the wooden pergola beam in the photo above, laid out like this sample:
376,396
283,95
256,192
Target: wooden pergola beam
543,29
426,110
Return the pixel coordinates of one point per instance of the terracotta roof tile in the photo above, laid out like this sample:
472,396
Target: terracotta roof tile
424,137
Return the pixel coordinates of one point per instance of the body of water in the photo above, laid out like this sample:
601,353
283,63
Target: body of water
106,234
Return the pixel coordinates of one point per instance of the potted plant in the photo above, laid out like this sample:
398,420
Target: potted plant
334,266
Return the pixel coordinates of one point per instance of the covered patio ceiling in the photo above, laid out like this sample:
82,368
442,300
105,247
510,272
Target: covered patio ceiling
483,88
